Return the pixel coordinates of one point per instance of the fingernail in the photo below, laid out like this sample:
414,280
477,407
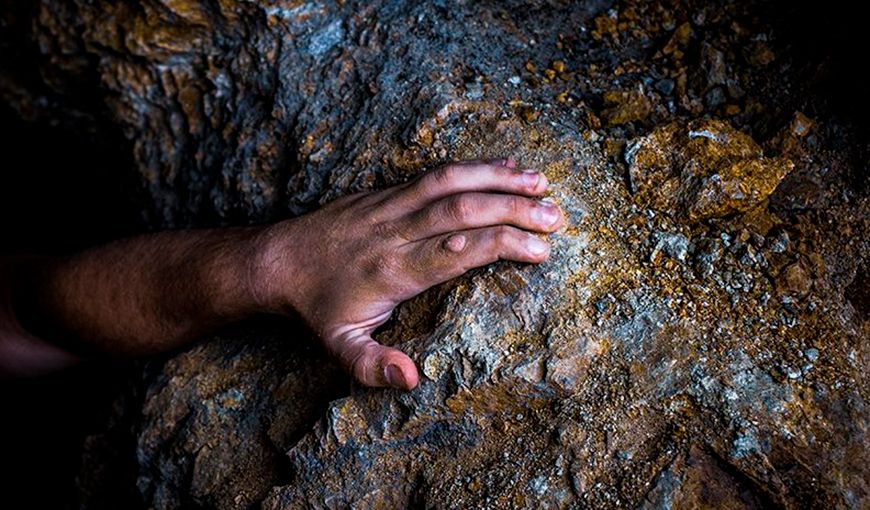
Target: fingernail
537,246
395,378
531,178
545,214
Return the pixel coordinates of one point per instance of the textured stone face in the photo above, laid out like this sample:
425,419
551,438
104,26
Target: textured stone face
703,170
698,337
220,417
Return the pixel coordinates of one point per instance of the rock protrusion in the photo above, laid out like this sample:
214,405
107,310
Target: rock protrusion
701,170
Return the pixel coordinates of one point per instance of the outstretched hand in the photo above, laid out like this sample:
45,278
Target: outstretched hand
345,267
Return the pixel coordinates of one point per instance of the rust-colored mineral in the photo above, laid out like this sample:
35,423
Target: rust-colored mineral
702,170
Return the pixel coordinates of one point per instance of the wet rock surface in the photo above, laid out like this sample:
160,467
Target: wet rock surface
699,336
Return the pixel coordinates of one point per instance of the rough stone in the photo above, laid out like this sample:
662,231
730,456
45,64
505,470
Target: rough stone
676,246
625,106
217,420
600,379
701,170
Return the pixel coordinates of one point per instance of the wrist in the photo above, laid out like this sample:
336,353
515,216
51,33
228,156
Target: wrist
226,272
273,281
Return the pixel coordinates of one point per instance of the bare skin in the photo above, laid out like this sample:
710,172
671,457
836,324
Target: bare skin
343,268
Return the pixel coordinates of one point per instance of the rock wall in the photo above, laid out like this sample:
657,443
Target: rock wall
699,336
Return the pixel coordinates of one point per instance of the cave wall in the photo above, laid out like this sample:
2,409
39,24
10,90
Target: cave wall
698,337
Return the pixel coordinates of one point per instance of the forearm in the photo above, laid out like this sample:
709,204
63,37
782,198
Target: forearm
137,296
343,269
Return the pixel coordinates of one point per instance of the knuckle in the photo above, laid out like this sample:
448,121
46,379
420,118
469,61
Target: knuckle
386,230
503,235
443,177
358,369
386,266
453,244
361,365
459,208
517,206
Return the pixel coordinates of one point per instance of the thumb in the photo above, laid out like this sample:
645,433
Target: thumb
373,364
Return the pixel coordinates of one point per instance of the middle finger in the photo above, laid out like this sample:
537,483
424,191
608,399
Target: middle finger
475,210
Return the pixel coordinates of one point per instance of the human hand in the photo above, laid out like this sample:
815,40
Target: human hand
345,267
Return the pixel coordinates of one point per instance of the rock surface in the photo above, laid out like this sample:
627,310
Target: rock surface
703,170
220,418
699,336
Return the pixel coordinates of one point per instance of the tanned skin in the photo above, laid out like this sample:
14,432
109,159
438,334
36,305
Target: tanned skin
342,268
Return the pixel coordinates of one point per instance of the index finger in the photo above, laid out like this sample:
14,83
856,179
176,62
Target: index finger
464,177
